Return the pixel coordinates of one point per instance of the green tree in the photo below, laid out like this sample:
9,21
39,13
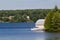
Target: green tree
56,22
52,22
48,21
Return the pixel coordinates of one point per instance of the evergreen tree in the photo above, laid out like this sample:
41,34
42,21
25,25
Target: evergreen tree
55,21
48,21
52,22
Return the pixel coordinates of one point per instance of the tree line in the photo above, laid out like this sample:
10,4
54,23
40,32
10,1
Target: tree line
21,15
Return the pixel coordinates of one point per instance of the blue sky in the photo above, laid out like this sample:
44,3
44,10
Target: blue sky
28,4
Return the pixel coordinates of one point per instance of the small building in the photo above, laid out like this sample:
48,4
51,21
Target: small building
28,17
10,17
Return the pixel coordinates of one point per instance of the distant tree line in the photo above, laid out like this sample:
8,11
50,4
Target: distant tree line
21,15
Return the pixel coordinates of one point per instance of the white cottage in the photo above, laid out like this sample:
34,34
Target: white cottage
39,25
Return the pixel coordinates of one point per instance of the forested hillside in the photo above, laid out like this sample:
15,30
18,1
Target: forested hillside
21,15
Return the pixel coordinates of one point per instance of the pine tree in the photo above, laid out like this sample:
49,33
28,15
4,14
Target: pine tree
48,21
52,21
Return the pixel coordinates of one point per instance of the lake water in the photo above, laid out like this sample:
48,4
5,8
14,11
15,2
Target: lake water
19,33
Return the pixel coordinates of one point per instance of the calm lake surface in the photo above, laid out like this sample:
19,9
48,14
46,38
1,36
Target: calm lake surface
22,31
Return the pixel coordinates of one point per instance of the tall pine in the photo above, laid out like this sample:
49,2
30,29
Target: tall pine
52,20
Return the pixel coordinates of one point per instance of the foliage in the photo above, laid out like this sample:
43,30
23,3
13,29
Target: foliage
52,21
20,15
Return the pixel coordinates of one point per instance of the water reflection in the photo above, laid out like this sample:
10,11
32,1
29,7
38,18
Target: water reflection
26,34
52,36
